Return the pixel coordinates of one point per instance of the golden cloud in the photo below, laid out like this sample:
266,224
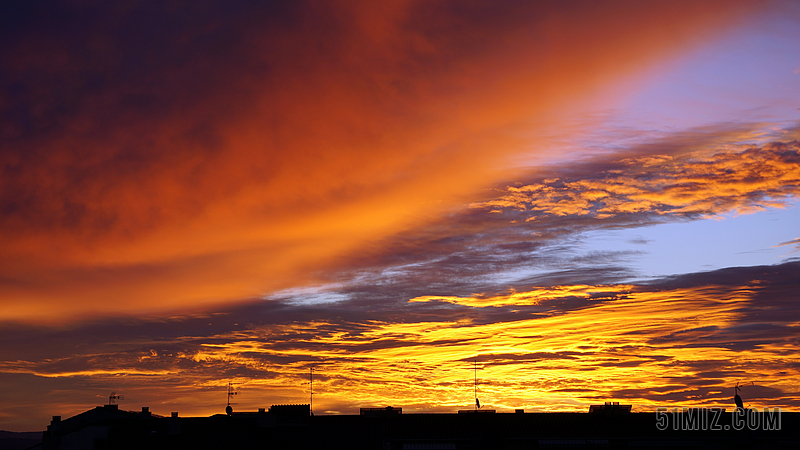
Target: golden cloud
532,297
649,346
693,185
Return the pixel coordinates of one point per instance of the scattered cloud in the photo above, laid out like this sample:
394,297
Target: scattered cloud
688,185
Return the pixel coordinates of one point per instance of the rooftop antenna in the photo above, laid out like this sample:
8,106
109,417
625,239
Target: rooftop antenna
112,399
311,390
736,398
476,369
231,393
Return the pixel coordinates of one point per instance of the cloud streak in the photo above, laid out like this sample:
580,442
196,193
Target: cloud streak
675,342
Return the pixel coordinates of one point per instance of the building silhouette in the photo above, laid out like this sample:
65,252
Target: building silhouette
293,427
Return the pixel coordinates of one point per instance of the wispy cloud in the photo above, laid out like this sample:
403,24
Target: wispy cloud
536,297
794,242
676,342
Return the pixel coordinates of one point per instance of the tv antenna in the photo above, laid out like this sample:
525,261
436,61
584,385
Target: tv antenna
475,368
736,398
311,390
112,399
231,393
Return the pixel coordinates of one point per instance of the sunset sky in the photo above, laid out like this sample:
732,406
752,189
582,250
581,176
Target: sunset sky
597,200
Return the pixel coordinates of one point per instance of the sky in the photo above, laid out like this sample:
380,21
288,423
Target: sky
594,201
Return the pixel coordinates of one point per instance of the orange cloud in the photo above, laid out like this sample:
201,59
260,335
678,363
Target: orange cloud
682,185
155,160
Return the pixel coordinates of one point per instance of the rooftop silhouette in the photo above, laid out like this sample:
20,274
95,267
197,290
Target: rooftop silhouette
610,425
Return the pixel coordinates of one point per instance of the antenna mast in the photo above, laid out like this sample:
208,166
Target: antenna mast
477,402
311,390
113,397
476,369
231,393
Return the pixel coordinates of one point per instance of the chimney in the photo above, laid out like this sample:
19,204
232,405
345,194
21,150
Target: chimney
174,424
